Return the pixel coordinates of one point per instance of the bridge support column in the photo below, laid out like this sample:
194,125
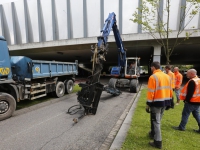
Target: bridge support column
157,53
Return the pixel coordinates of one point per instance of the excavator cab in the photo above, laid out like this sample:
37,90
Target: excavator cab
132,68
125,77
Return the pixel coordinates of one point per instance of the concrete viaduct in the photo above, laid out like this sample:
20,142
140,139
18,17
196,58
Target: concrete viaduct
64,30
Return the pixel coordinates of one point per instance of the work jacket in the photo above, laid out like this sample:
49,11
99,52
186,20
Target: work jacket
172,76
159,89
178,79
196,95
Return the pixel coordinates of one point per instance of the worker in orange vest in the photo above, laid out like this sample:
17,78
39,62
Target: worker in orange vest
190,94
172,76
178,82
159,97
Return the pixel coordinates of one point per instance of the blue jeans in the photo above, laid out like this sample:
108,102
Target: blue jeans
188,108
177,92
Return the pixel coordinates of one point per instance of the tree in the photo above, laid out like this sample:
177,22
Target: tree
150,18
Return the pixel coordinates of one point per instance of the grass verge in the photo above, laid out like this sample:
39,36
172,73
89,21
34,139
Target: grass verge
137,136
28,103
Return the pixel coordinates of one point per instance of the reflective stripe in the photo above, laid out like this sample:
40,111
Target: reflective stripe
150,90
157,84
183,94
195,95
150,101
159,99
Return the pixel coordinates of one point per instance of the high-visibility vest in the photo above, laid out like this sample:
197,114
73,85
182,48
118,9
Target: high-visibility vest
159,89
172,76
178,79
196,94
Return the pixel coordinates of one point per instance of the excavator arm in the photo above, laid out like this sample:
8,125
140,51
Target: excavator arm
121,51
91,91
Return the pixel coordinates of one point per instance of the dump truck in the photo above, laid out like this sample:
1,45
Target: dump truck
22,78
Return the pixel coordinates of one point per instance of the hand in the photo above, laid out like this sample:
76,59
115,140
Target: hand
148,109
171,106
168,107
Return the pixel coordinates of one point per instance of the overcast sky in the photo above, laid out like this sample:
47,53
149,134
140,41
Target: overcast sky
6,1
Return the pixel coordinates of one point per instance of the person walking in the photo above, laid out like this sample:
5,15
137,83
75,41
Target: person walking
172,77
159,97
178,82
190,94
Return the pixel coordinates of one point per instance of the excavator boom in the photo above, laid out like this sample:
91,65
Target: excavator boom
91,91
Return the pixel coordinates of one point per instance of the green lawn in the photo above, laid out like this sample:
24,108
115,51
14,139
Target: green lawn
137,136
28,103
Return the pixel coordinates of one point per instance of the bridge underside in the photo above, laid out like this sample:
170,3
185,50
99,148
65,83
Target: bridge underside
187,53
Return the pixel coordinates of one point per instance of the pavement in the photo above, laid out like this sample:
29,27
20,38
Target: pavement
118,132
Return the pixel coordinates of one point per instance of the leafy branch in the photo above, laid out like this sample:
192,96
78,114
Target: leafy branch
150,17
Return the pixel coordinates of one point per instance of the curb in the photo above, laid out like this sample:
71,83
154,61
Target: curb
116,137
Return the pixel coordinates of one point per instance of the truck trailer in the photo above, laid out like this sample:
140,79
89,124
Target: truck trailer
22,78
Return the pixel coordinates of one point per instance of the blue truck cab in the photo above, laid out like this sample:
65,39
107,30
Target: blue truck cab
5,66
22,78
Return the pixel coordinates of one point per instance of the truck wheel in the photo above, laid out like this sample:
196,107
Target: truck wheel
7,106
69,86
60,89
134,86
112,82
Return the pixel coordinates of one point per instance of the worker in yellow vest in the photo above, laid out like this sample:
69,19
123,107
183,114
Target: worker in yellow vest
159,97
190,94
172,76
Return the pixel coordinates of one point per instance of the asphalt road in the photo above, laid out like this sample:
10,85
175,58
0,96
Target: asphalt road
49,127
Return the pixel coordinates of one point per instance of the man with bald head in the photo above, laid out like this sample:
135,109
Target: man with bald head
178,82
190,94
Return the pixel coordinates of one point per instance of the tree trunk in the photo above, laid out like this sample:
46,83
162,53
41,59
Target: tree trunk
167,56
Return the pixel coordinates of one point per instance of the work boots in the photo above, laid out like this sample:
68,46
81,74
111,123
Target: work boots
156,144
